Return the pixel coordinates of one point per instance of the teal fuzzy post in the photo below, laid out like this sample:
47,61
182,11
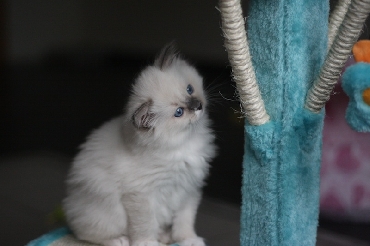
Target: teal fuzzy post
288,44
283,90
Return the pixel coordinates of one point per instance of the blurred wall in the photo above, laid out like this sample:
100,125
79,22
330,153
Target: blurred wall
33,28
36,27
2,32
74,61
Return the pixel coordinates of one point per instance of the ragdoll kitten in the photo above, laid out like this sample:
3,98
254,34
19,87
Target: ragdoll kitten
137,180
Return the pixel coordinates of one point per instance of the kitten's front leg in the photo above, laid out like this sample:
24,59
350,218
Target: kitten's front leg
183,224
142,226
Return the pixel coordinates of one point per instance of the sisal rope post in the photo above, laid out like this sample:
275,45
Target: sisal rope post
338,54
336,19
236,44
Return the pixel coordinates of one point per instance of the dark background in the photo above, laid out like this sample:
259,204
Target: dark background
67,65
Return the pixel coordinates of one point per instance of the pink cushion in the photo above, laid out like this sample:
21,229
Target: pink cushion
345,173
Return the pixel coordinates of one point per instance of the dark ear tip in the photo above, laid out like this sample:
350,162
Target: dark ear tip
171,45
166,56
170,48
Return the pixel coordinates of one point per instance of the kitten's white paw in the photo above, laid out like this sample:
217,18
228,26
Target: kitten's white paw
165,237
197,241
146,243
121,241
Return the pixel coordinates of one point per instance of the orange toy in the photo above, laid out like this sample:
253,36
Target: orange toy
366,96
361,51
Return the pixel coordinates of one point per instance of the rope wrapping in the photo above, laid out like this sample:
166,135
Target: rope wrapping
338,54
236,44
336,19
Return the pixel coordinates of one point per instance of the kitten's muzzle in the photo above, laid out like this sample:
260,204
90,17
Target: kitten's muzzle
194,104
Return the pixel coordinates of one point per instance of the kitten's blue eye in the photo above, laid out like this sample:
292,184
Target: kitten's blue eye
190,89
179,112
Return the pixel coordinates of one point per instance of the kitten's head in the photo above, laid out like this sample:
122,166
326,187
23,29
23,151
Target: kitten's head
167,96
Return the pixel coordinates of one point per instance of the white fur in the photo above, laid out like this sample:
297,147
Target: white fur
144,183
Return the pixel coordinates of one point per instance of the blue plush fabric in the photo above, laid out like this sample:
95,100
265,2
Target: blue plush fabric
50,237
58,234
354,81
288,40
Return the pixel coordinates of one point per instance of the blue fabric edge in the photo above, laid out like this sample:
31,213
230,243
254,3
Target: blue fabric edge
55,235
50,237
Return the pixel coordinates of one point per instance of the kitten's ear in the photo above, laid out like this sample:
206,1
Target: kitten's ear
142,117
166,56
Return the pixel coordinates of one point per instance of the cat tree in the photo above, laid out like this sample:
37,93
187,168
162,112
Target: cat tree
284,77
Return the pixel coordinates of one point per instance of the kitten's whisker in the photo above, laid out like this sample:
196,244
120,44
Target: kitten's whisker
213,86
228,99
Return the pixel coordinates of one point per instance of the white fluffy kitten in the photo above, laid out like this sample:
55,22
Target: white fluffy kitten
137,180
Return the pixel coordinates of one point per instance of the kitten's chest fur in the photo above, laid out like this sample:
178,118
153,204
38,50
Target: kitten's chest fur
181,168
146,170
167,177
